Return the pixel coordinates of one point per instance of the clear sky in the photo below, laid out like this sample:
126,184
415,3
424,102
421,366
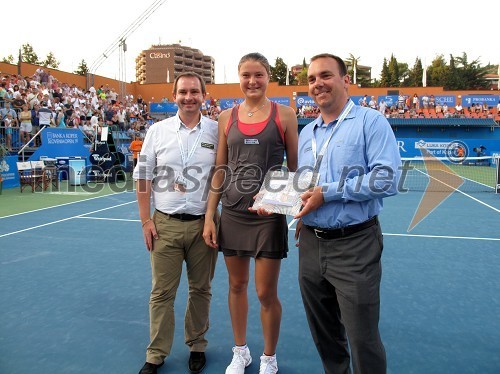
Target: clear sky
228,29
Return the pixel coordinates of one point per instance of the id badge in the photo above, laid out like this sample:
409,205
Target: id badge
180,184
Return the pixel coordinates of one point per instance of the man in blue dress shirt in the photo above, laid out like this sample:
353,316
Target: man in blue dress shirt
356,163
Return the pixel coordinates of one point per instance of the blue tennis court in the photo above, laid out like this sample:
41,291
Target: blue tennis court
75,282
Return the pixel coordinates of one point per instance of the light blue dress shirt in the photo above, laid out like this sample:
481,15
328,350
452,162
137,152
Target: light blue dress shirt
360,167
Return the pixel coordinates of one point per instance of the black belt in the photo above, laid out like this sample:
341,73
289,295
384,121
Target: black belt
184,216
322,233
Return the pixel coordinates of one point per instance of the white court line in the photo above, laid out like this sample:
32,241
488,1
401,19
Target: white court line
65,219
70,193
292,222
438,236
444,237
111,219
463,193
56,206
479,201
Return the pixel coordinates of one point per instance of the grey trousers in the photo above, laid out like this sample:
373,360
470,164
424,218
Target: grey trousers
340,282
179,241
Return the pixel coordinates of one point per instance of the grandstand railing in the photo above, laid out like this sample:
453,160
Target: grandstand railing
22,150
476,122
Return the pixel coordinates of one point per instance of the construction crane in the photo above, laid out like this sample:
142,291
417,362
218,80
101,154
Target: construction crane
120,43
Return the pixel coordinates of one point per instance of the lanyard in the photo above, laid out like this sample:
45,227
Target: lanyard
185,159
319,157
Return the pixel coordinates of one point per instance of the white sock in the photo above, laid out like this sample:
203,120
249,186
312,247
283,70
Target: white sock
241,346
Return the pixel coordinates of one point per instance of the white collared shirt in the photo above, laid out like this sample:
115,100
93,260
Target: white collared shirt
160,161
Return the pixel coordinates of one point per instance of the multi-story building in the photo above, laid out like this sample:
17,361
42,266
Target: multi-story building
163,63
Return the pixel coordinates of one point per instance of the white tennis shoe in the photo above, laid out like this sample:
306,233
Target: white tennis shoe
241,359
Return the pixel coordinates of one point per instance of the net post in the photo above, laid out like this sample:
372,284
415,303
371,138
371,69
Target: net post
497,174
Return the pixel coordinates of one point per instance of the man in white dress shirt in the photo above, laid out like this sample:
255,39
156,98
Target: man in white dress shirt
174,167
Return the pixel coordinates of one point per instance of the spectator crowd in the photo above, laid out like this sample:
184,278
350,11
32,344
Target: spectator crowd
407,106
27,104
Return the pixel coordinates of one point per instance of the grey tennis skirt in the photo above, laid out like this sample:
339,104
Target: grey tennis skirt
245,234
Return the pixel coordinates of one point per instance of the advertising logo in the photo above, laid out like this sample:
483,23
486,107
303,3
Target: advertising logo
457,151
4,167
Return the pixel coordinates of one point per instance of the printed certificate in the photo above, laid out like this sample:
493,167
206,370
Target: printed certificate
281,190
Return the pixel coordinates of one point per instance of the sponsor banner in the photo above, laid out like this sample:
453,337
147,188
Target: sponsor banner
304,101
226,103
169,107
448,99
390,100
440,147
496,157
61,142
357,99
8,168
490,100
281,100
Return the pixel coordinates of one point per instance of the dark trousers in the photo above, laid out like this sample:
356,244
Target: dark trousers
340,282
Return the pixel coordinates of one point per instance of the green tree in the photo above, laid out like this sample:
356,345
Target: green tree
304,65
404,72
385,78
29,55
452,77
364,81
393,72
436,72
82,68
50,61
418,73
414,78
459,74
471,75
9,59
301,77
279,72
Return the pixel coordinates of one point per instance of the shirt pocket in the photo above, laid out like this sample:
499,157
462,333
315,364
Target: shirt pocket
349,159
208,154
